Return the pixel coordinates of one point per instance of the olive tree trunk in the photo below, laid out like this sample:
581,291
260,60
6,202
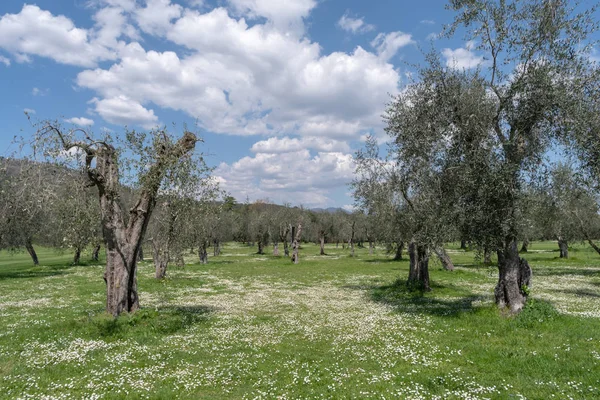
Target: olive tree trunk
32,253
399,250
296,235
203,252
514,278
525,246
447,263
96,252
161,259
322,244
77,256
563,246
418,275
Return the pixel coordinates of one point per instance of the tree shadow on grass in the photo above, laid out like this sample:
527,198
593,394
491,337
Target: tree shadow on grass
34,272
579,292
402,299
146,322
561,271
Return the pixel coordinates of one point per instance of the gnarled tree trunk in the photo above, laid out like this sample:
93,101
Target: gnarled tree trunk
514,278
563,246
322,244
296,234
161,260
77,256
32,253
203,252
418,275
525,246
444,258
96,252
399,250
260,247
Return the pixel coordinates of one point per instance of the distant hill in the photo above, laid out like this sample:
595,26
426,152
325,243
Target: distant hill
331,210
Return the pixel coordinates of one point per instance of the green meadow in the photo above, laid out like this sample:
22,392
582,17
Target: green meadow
250,326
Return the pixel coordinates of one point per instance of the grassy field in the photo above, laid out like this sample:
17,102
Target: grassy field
258,327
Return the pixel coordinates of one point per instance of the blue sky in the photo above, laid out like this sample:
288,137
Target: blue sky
283,92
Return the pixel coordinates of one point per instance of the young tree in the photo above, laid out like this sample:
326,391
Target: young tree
156,159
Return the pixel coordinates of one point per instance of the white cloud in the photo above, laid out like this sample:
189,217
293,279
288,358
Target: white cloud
285,145
121,110
80,121
252,80
29,110
37,32
387,45
286,16
5,61
39,92
293,177
463,57
354,25
156,17
428,22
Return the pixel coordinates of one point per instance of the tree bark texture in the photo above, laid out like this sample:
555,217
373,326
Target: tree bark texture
322,244
32,253
203,252
216,248
418,275
447,263
351,241
276,249
286,248
514,278
371,247
260,247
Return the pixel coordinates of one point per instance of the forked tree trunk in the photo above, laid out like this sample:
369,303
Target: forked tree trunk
563,246
444,258
32,253
96,253
418,275
399,250
122,240
276,249
296,234
77,256
525,246
514,278
322,244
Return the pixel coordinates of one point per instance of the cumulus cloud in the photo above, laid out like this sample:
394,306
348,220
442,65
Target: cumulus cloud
354,25
252,80
463,57
284,15
156,16
80,121
387,45
35,32
286,145
122,110
268,175
5,61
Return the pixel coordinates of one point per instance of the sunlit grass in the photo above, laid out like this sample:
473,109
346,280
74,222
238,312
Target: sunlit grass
249,326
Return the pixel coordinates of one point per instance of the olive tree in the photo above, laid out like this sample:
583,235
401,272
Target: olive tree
147,161
538,61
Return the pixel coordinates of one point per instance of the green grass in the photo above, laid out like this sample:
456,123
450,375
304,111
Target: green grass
249,326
